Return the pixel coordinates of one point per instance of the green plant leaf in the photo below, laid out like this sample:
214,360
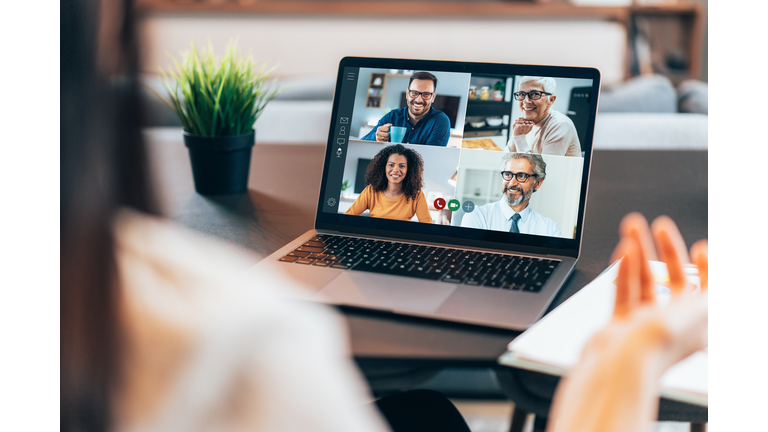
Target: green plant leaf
218,98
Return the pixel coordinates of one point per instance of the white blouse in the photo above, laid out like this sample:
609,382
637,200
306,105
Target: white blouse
208,350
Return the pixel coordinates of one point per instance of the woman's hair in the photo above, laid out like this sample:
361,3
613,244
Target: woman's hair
103,168
376,177
548,84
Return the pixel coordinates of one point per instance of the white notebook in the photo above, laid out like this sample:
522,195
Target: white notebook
554,344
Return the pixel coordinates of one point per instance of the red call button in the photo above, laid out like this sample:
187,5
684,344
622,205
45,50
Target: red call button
439,203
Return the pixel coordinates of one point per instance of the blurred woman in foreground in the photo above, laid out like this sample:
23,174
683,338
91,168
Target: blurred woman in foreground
156,332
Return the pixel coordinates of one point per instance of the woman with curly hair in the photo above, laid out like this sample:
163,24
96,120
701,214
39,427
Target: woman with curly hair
394,179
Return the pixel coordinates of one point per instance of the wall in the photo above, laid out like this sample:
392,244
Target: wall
313,46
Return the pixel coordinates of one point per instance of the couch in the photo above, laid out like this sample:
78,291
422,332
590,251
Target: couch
645,112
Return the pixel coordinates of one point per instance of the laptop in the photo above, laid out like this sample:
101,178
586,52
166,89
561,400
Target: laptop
419,221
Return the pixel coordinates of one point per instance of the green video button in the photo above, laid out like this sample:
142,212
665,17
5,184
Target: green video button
454,205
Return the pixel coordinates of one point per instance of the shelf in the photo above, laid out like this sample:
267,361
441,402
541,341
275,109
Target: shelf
485,128
663,39
668,9
454,8
373,8
489,104
374,100
476,108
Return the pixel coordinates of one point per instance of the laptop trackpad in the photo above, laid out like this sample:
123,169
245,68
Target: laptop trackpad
386,292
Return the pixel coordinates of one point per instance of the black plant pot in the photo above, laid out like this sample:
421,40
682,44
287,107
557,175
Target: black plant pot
220,165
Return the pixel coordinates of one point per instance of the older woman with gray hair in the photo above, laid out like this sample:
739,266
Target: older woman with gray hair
542,130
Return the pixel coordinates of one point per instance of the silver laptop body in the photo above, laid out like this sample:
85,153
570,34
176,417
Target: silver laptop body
474,96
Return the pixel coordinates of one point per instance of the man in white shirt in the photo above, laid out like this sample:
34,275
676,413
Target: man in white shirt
542,130
523,175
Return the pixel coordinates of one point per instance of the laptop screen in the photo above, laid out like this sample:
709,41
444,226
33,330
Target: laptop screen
460,153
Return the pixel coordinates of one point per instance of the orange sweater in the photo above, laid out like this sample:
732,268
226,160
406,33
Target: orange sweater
379,206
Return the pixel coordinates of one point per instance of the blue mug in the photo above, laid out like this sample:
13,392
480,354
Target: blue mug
397,133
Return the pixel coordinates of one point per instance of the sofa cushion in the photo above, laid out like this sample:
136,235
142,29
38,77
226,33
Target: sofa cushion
643,94
307,88
296,122
692,97
650,131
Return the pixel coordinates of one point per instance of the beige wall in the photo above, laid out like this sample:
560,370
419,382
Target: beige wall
314,46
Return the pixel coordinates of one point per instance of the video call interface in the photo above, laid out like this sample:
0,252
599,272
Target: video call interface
489,152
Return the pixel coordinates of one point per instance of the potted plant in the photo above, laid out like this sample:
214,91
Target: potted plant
498,90
218,104
344,187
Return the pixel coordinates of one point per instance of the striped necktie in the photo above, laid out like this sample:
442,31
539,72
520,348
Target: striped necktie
514,228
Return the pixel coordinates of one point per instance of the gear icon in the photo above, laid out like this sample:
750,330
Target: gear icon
331,202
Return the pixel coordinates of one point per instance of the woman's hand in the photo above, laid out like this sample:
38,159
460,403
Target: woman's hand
678,329
615,385
522,126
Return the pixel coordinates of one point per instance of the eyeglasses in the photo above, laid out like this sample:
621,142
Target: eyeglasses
521,177
425,95
532,95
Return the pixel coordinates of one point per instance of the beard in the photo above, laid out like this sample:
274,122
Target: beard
524,196
412,109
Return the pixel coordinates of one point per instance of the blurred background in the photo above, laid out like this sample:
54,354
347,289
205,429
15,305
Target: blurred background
622,38
651,53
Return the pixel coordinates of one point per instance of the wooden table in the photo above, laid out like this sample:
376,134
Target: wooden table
282,197
482,143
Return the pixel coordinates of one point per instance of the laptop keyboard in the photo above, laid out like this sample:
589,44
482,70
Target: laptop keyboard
447,265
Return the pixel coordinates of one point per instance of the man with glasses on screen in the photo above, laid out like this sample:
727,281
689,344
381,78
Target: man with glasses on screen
423,123
523,175
541,130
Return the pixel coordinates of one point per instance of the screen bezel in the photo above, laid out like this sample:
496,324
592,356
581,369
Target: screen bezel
446,234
